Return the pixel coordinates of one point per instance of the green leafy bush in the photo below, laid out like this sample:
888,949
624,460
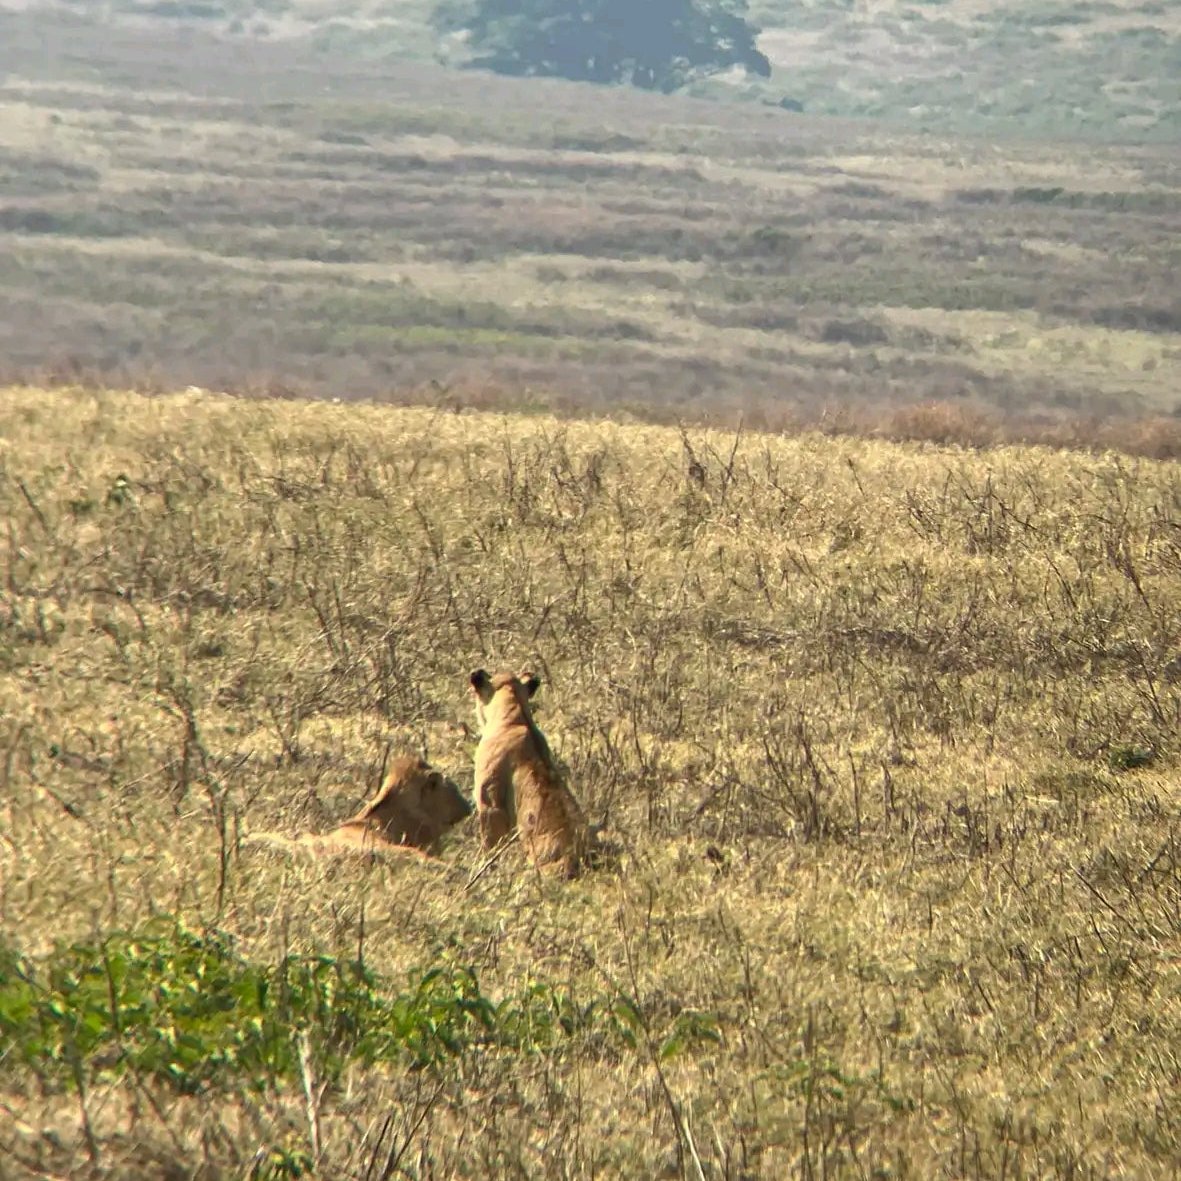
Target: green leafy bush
185,1008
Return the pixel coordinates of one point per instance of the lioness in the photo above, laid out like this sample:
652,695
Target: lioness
414,807
518,784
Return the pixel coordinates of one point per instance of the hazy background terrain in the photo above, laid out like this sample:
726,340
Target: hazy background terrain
296,197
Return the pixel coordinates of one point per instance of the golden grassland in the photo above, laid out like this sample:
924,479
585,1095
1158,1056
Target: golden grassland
886,734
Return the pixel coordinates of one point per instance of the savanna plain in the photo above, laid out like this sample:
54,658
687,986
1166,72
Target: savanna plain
884,735
706,412
180,206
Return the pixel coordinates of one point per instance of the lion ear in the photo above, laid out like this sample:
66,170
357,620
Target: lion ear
530,682
479,679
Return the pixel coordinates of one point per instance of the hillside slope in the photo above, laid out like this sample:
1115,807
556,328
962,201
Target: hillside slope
1109,70
178,207
1102,71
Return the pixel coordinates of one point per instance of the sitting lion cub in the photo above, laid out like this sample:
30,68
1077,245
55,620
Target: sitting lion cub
413,808
518,784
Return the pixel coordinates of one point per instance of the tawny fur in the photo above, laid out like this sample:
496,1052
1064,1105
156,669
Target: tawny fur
518,784
409,814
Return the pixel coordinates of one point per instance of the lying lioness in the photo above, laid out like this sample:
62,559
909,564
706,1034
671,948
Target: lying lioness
412,810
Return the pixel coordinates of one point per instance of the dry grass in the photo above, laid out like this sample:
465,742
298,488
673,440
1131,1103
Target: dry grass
887,732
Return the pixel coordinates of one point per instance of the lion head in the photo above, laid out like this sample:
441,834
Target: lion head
415,804
502,698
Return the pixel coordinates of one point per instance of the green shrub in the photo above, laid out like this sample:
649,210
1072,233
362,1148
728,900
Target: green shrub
185,1008
1123,757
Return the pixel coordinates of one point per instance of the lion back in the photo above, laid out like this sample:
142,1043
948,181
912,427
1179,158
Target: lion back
552,824
518,781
